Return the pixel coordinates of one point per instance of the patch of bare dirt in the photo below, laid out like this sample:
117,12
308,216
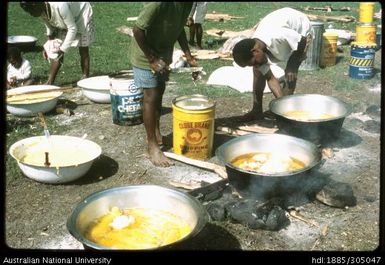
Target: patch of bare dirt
36,213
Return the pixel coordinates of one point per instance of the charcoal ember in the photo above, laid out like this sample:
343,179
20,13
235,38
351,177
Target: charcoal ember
373,111
256,215
337,194
372,126
216,211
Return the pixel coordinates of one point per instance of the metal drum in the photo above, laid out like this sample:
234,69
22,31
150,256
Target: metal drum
126,100
193,126
313,53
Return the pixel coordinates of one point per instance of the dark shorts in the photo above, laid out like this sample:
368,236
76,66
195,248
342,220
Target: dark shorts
146,79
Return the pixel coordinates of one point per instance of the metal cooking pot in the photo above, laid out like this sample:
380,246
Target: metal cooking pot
317,130
22,42
143,196
265,185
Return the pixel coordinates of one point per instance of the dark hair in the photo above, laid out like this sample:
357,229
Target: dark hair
242,50
31,6
14,52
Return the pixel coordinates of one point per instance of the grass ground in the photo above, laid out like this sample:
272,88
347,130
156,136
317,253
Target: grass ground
110,52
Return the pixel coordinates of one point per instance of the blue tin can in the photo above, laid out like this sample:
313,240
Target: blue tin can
362,60
126,100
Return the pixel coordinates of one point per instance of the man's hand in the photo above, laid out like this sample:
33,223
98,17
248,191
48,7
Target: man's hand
12,81
159,66
290,77
190,21
193,63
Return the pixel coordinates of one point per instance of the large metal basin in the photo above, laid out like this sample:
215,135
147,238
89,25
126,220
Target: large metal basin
143,196
317,130
255,184
54,173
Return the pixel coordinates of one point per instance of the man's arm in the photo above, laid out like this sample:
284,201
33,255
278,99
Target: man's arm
156,64
273,84
295,61
182,40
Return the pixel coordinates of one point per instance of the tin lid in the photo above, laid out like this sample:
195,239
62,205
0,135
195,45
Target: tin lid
356,44
317,23
366,25
193,102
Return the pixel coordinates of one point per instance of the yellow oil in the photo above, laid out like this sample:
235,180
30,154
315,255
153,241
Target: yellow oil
307,115
59,155
264,162
147,228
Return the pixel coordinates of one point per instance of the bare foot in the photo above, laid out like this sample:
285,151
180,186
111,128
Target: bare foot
157,157
268,114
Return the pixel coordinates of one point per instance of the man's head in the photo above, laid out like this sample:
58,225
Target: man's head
249,52
14,57
35,9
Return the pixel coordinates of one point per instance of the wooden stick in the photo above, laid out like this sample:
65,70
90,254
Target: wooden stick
220,170
258,129
330,18
231,131
11,94
298,216
15,99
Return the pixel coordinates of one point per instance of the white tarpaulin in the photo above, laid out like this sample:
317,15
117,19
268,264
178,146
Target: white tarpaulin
241,78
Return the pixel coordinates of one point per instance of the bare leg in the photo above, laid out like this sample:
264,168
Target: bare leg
55,66
158,112
199,34
192,34
28,82
152,101
85,61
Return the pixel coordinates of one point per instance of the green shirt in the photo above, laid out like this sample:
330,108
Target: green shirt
162,23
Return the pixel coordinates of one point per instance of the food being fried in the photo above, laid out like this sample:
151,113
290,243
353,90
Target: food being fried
263,162
137,228
303,115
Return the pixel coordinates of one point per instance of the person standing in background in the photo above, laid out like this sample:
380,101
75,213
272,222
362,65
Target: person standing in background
195,21
68,24
157,28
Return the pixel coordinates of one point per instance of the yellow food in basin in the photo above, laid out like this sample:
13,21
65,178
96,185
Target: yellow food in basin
267,163
137,228
59,154
303,115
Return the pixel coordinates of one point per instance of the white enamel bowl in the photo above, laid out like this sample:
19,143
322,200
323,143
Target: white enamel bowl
96,88
55,174
21,102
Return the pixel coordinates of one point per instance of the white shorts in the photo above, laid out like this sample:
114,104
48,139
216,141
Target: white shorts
200,12
83,40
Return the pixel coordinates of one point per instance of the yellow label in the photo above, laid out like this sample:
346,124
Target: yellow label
193,139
